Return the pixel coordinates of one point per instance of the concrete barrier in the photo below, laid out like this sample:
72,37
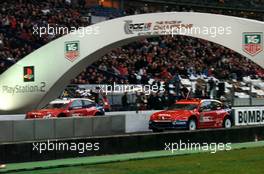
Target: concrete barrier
23,130
136,122
64,128
6,131
44,129
13,117
102,126
61,128
83,127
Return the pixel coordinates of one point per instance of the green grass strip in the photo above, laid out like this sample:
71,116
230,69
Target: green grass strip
111,158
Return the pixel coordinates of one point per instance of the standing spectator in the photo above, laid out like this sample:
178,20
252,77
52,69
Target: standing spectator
221,89
150,105
106,103
125,102
185,92
211,84
198,91
95,96
157,104
138,101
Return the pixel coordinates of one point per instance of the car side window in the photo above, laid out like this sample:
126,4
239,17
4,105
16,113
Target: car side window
216,105
206,106
76,104
87,104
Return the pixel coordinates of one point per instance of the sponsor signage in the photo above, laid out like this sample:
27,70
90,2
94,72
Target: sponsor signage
252,42
131,27
72,50
28,74
154,28
248,115
22,89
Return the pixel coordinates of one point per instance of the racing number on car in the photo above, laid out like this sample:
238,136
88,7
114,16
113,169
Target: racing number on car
76,115
205,118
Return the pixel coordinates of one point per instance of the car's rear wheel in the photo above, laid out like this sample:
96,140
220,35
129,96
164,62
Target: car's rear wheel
192,125
227,122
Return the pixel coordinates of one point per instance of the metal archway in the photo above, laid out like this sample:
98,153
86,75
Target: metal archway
40,76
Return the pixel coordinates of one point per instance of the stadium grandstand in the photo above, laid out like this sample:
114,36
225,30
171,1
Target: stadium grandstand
185,65
185,103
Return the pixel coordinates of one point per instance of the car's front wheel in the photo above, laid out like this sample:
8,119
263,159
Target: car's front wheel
192,124
227,122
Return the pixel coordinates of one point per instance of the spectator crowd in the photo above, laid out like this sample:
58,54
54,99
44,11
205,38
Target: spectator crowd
147,61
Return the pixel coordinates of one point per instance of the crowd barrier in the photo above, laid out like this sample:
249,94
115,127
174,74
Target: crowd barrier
111,124
248,102
135,121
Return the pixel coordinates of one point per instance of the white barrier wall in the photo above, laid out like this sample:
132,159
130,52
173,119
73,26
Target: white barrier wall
50,129
135,122
248,115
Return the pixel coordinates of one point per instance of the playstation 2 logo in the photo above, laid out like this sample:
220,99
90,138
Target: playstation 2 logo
29,75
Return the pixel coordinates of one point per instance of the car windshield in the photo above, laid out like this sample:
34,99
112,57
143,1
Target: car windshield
56,106
182,107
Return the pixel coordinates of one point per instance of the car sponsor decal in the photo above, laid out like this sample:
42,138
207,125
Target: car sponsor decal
205,118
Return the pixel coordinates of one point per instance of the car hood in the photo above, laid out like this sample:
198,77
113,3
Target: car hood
46,111
172,115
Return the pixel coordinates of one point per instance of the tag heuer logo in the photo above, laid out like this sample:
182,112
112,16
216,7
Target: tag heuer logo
29,75
72,50
253,43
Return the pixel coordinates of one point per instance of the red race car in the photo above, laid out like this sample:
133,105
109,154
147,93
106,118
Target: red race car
67,108
192,114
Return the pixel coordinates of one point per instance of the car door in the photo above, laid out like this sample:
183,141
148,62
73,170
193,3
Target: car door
207,115
89,107
76,108
218,113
